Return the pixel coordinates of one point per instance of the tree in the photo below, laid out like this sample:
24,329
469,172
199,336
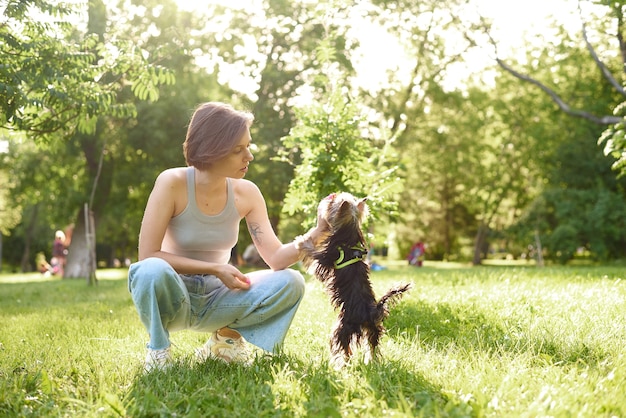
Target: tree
405,103
580,200
55,81
273,46
334,153
153,141
56,84
596,17
35,196
582,206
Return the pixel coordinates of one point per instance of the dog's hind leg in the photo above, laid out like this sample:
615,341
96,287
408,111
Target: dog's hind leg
341,340
372,335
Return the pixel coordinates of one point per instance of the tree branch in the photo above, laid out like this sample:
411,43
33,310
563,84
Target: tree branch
619,35
600,120
605,71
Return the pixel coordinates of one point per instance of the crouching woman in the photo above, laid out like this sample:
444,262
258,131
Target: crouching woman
191,222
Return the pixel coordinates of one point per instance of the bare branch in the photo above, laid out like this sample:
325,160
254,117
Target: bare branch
605,71
619,32
600,120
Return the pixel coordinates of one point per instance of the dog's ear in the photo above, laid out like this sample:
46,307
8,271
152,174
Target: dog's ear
345,214
362,208
345,208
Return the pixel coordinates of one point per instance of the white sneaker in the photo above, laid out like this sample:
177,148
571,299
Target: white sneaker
225,344
157,359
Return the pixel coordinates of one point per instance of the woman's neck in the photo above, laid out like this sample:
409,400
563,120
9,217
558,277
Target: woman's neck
208,180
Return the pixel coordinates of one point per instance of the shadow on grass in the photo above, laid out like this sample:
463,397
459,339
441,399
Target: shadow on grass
284,386
438,326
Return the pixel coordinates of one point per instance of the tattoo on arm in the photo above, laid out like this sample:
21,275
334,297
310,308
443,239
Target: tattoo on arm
255,232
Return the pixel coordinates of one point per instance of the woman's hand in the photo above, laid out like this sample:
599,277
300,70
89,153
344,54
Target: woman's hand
320,230
232,277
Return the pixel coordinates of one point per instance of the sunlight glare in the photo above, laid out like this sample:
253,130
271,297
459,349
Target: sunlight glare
514,23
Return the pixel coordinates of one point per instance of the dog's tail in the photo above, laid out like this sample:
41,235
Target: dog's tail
391,298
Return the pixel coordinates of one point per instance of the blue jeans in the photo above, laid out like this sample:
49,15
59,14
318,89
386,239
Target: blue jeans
167,301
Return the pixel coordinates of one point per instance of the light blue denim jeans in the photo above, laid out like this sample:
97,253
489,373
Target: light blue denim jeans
167,301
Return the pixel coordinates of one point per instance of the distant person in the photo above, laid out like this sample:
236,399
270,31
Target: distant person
416,254
69,232
183,279
55,266
43,266
59,251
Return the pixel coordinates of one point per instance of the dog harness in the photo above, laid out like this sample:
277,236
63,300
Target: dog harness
350,255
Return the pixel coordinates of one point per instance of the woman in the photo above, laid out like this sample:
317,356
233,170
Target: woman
59,251
182,279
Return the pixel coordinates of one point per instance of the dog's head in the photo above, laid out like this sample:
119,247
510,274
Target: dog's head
342,210
343,213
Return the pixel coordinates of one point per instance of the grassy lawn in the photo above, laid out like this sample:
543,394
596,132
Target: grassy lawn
493,341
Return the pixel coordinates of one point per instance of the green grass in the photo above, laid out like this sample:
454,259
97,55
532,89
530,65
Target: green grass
466,342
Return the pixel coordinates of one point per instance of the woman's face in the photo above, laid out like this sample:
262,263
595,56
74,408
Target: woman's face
235,164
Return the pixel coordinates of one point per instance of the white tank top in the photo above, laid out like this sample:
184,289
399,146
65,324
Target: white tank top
196,235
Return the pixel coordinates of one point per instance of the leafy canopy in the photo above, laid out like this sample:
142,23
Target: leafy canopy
54,80
336,155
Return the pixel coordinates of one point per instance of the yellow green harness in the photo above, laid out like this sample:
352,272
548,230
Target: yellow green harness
350,255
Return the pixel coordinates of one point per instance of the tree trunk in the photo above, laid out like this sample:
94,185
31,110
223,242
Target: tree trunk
25,264
80,260
539,249
81,257
479,244
448,220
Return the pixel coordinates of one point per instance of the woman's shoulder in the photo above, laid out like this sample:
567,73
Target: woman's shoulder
247,195
247,191
244,186
175,175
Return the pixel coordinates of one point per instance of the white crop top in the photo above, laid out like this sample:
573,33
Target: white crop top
196,235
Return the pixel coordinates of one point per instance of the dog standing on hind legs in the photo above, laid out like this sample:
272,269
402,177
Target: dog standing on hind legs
338,261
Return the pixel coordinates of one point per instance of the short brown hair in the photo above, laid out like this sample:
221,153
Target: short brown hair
213,131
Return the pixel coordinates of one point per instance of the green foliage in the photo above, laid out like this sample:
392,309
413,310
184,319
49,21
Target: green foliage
52,82
139,149
335,157
275,46
37,197
614,140
58,175
453,141
563,242
569,219
614,136
468,158
335,154
572,182
582,204
10,213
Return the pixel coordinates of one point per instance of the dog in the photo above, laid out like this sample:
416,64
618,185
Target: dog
338,261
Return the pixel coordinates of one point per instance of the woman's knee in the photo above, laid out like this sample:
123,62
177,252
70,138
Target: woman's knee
294,283
150,273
